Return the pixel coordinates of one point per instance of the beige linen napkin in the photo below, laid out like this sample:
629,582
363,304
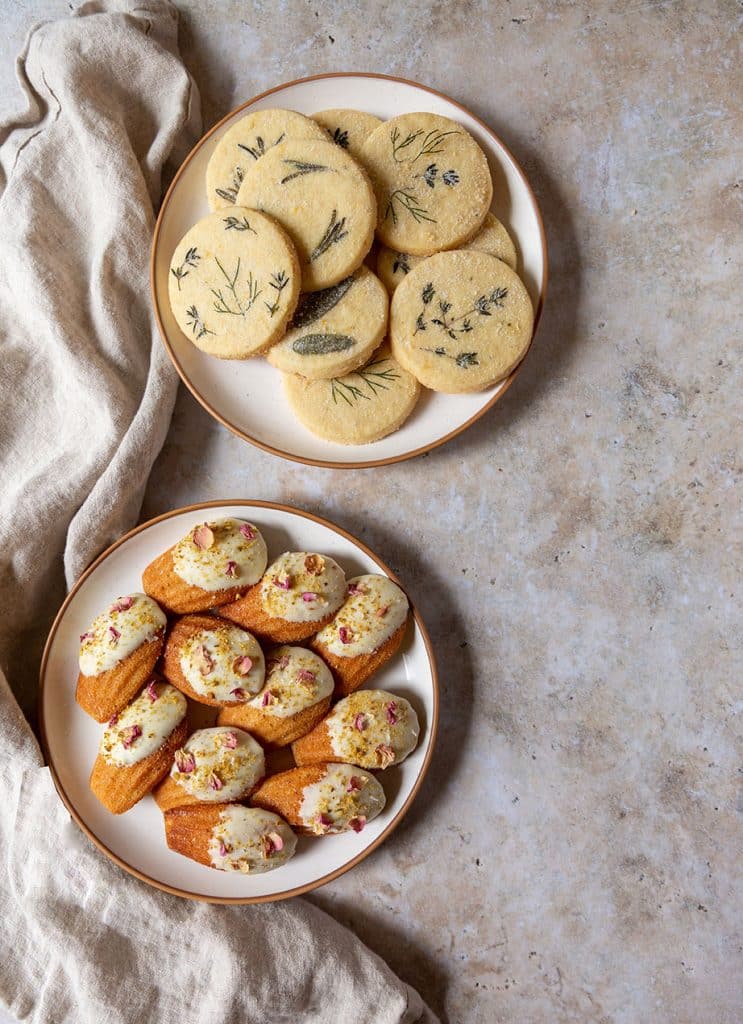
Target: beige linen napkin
88,395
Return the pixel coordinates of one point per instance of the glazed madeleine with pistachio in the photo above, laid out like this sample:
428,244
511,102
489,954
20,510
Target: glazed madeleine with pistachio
118,652
215,563
230,837
212,661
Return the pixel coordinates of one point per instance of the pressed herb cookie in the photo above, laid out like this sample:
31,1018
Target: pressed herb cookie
460,321
335,330
324,201
492,237
348,128
246,142
234,282
431,180
361,407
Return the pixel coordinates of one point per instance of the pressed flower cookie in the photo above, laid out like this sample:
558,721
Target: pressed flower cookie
348,128
324,201
322,799
234,282
247,141
492,237
335,330
230,837
118,652
361,406
214,765
371,728
137,748
431,180
296,694
298,594
214,563
212,661
460,321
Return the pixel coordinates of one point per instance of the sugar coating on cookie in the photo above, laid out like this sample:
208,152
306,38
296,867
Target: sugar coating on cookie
324,201
392,266
302,586
460,321
218,764
221,554
346,797
224,663
335,330
128,622
374,609
143,726
250,840
358,408
234,282
348,128
432,183
373,728
296,679
247,141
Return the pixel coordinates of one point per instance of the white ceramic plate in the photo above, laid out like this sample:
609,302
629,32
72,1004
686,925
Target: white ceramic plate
247,396
136,840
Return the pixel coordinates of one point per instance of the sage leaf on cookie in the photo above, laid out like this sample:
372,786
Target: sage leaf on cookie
313,305
322,344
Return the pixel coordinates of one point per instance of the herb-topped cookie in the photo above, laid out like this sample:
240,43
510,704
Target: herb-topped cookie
233,283
431,180
348,128
335,330
324,201
460,321
246,142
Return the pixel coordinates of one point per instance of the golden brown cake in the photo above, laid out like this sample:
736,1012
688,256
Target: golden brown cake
214,765
230,837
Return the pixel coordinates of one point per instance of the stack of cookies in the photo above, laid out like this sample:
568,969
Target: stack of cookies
304,211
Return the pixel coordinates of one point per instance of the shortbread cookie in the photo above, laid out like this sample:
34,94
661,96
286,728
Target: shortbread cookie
322,799
335,330
216,562
295,696
325,202
431,180
215,765
234,282
360,407
298,594
348,128
118,652
137,748
247,141
230,837
371,728
366,631
212,661
460,321
492,237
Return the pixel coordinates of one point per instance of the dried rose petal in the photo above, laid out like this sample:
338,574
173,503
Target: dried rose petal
113,719
242,665
267,699
283,582
214,781
322,823
123,604
354,784
381,612
115,634
360,722
314,564
238,693
271,843
231,569
151,691
229,740
202,660
355,588
309,596
385,755
223,850
345,634
203,537
86,636
248,532
282,662
130,734
306,676
391,711
184,761
357,824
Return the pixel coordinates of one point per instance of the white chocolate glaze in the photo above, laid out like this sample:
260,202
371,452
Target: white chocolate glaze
303,587
369,726
229,558
117,632
244,839
218,765
210,661
345,797
143,726
296,679
374,609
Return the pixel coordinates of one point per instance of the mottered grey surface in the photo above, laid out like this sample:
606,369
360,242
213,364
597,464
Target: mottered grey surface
574,854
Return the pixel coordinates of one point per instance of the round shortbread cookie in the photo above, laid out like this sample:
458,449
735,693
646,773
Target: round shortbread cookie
348,128
336,330
358,408
233,283
460,321
324,201
432,183
492,237
246,142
